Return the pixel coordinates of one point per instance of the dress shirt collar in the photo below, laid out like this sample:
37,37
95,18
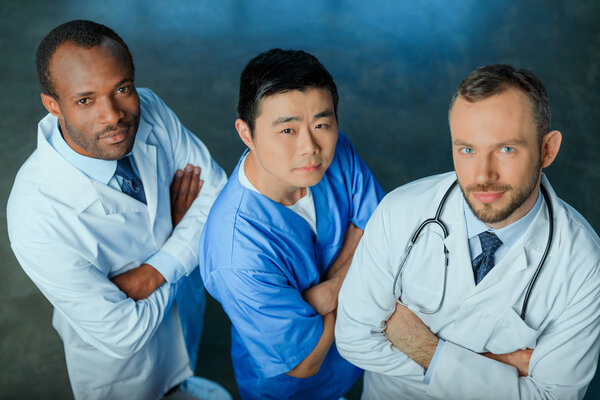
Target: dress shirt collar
508,234
95,168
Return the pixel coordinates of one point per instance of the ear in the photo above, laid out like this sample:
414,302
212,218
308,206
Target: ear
245,133
51,105
550,146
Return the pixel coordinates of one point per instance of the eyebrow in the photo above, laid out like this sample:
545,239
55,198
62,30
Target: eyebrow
284,118
86,94
322,114
288,118
508,142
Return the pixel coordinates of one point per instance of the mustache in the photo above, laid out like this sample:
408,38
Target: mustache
488,187
111,128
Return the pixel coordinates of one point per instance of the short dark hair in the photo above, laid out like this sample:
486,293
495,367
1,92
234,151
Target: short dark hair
494,79
83,33
277,71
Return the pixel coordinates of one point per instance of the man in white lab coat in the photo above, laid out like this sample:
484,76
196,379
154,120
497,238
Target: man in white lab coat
94,225
476,345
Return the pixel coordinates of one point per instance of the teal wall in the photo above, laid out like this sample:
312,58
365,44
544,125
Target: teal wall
396,63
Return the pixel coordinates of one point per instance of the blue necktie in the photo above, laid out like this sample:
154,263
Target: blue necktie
131,184
485,261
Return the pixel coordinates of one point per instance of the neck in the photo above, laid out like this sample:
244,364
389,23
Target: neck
270,185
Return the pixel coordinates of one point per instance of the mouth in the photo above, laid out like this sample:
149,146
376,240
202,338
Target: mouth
487,197
308,168
116,136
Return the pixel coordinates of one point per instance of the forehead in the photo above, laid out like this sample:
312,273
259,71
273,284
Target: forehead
72,67
295,103
509,112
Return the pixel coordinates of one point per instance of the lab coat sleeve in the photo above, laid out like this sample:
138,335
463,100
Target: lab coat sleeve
277,326
185,147
366,191
366,303
561,366
99,312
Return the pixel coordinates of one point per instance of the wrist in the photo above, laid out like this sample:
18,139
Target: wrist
154,276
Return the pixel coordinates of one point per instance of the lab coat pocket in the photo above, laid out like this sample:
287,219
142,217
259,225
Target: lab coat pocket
510,333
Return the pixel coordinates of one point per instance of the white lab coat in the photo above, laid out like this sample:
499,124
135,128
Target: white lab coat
563,316
71,234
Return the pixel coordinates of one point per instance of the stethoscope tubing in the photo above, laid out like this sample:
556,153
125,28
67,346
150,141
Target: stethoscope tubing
437,221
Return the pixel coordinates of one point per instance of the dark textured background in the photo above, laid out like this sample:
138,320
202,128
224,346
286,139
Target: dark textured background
396,63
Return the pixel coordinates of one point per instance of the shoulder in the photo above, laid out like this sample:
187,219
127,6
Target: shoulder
419,193
148,99
30,207
573,229
153,109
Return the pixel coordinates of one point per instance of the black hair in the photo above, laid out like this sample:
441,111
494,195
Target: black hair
277,71
494,79
83,33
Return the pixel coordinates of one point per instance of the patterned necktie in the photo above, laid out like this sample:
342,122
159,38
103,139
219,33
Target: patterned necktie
131,184
485,261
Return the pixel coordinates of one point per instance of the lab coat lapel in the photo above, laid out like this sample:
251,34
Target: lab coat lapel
61,178
144,155
460,282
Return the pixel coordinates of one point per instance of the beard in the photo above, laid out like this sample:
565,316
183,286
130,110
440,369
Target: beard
490,215
92,145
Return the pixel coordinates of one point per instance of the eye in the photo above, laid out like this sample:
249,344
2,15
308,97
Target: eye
85,101
124,89
467,150
321,126
287,131
507,149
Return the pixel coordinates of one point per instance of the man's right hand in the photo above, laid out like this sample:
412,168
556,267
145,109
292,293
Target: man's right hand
140,282
185,188
518,359
322,297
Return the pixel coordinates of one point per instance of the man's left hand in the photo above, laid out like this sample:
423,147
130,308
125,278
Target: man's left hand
410,335
140,282
184,189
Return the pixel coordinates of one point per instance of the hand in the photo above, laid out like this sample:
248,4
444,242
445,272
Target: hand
322,297
518,359
140,282
410,335
184,189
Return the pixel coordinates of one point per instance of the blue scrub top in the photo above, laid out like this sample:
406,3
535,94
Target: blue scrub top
257,257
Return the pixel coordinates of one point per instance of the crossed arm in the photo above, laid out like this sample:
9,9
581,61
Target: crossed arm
323,298
410,335
138,283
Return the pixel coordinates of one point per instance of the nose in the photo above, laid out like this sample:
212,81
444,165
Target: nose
486,169
306,143
109,113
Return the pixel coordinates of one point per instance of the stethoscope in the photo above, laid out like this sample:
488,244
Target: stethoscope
437,221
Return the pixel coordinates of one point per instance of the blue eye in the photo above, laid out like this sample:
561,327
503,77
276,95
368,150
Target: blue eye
467,150
507,149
